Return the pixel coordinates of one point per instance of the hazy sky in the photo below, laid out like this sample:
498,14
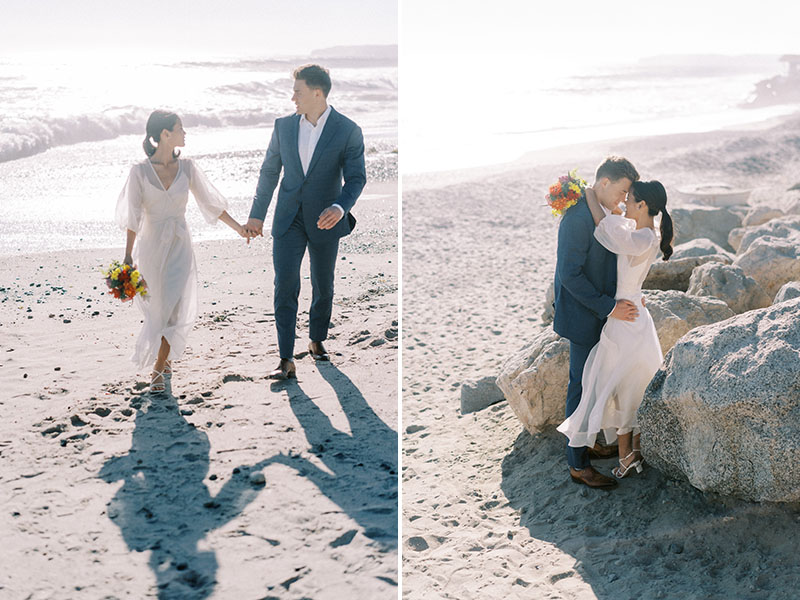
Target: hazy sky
524,30
471,68
258,27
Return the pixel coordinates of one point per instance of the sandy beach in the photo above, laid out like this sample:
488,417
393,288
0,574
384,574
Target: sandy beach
107,492
488,509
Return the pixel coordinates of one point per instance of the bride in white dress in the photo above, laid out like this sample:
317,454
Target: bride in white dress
152,207
623,362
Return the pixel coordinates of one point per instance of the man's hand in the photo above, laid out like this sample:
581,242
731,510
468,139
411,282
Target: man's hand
252,228
330,217
625,310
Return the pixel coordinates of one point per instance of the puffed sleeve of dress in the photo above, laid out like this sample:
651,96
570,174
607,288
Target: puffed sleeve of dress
129,204
209,199
620,236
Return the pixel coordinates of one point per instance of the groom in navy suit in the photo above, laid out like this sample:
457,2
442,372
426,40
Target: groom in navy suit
585,286
316,148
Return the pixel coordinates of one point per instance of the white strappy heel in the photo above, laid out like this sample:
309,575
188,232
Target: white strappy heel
623,471
157,387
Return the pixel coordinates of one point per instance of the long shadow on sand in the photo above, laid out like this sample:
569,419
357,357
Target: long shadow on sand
164,505
652,537
363,462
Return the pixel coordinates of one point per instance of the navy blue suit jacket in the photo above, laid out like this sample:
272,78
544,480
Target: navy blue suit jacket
339,154
586,278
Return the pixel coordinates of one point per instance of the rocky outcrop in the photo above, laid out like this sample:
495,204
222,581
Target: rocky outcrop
772,261
758,215
724,410
675,313
735,238
730,284
698,247
674,274
788,291
714,223
785,227
479,394
534,381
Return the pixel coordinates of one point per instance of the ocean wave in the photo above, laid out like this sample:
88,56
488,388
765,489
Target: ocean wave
378,85
332,58
26,137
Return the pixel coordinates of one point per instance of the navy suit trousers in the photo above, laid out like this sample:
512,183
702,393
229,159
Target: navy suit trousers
576,457
287,256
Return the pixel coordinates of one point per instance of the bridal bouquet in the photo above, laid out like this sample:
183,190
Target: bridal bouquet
124,281
565,193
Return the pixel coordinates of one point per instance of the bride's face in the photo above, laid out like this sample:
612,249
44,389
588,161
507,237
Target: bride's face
177,137
633,208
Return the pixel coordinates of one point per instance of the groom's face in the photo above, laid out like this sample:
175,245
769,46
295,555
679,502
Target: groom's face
614,192
306,99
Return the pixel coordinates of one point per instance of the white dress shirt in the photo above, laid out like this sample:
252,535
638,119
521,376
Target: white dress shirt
307,139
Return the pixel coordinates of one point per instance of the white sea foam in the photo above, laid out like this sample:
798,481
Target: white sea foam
56,104
69,135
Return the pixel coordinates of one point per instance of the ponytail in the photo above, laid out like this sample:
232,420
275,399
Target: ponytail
666,234
655,196
158,121
149,149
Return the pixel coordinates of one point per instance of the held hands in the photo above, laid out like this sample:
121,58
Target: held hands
329,217
625,310
253,228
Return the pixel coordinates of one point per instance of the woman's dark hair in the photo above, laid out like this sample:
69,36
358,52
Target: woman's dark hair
315,76
158,121
655,196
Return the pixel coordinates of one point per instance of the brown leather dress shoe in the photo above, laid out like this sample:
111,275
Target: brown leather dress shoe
317,351
285,370
589,476
600,452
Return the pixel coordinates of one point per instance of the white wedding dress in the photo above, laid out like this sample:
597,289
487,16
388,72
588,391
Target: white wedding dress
622,363
163,251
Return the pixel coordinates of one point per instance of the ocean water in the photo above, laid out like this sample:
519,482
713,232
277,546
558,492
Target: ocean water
508,110
70,128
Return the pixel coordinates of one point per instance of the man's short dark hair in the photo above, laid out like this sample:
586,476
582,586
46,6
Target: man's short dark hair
315,76
615,168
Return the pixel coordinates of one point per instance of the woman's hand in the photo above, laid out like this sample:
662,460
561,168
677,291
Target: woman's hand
128,260
243,231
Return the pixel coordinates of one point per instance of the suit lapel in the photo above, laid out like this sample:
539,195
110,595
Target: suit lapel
294,150
328,133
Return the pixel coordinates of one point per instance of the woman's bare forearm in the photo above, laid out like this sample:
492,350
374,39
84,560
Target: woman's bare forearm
129,247
594,206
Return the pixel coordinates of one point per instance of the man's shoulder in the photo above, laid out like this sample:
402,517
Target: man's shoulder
578,215
286,119
344,121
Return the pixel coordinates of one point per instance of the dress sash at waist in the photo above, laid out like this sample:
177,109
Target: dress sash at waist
174,226
632,295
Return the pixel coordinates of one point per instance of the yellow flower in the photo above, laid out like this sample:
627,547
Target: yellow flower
115,274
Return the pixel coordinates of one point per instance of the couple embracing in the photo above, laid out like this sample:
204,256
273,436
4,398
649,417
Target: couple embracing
321,154
602,260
